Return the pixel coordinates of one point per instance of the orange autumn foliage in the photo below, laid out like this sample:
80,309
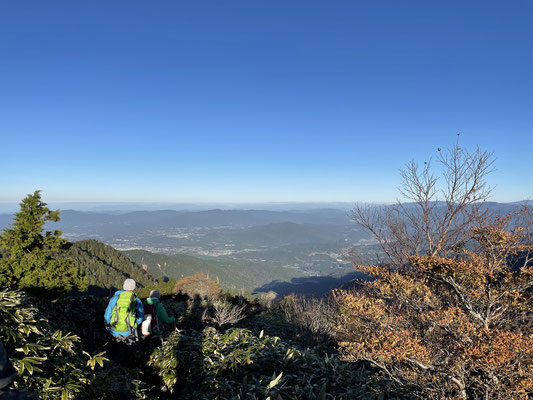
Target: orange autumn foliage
457,327
198,286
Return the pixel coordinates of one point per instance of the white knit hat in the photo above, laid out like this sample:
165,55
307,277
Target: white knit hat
129,284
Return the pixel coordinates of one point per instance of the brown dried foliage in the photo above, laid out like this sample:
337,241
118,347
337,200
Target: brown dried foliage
450,315
198,286
451,327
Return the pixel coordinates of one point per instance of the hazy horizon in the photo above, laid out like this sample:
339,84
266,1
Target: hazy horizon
124,207
8,207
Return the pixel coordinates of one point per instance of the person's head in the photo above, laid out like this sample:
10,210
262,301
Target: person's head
129,285
155,293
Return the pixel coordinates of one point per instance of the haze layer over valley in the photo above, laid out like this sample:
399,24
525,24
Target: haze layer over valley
242,249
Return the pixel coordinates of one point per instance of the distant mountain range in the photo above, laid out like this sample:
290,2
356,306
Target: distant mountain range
250,249
113,222
115,218
122,208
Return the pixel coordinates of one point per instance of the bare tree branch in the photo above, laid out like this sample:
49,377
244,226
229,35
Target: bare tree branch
440,210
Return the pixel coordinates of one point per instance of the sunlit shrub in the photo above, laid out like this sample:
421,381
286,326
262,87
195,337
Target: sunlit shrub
227,313
50,363
237,364
53,363
266,299
198,286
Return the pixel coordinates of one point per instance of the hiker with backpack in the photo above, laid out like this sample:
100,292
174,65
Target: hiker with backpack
124,313
155,315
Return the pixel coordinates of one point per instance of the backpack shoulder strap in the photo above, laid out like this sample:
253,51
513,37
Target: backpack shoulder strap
131,309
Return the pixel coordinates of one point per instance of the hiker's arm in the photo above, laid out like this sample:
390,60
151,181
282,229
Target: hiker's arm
109,309
163,316
140,312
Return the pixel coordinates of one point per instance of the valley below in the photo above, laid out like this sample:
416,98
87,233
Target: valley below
246,250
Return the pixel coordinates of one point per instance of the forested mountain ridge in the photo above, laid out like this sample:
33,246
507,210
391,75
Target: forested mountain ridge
74,221
279,234
105,268
229,273
158,264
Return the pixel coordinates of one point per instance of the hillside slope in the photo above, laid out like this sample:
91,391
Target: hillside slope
106,268
231,273
278,234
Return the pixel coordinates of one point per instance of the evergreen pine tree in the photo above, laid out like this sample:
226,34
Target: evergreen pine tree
35,260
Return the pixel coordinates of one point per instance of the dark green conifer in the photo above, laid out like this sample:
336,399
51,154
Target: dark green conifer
35,260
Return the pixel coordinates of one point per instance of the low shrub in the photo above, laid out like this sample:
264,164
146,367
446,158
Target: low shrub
53,363
237,364
315,318
227,313
266,299
198,286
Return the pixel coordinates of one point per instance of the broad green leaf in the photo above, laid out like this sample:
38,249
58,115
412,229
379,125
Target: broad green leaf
275,381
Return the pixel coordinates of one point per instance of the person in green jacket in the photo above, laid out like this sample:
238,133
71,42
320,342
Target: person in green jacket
153,306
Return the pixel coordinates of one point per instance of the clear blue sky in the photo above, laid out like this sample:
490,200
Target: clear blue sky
253,101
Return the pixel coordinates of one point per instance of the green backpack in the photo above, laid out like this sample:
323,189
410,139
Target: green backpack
123,314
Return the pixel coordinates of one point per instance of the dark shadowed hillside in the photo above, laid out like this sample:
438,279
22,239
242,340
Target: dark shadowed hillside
105,268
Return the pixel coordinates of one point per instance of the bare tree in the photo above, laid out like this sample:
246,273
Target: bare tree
455,323
440,209
227,313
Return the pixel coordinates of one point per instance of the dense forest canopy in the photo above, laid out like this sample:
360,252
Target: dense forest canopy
103,267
